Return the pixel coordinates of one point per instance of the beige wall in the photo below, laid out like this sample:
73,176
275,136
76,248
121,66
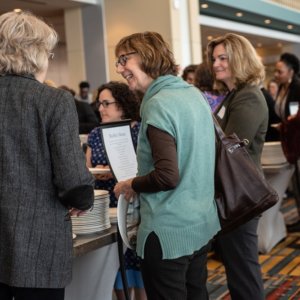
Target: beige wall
123,18
175,20
75,47
58,67
195,32
126,17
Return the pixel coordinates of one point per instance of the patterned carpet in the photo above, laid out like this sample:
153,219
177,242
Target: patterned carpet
280,267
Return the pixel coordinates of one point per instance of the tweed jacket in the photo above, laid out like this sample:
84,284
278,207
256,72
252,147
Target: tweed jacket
245,112
42,169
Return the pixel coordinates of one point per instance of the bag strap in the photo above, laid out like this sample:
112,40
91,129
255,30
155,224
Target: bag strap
218,129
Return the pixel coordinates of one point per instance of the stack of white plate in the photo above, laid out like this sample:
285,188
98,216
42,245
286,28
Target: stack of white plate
272,154
95,220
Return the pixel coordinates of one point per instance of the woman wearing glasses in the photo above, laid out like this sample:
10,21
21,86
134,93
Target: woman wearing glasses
116,102
175,182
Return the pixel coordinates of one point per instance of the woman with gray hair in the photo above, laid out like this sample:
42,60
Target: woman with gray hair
43,177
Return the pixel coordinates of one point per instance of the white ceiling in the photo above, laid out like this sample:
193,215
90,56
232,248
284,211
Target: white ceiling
52,11
257,41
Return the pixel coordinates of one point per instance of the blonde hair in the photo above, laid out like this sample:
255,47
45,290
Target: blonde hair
50,82
156,56
245,65
25,43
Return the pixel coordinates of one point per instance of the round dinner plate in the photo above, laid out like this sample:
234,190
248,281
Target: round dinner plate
122,219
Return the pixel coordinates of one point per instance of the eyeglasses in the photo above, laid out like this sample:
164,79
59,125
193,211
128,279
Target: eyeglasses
50,55
122,60
105,103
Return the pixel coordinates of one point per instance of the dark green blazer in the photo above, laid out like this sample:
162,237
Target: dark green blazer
245,112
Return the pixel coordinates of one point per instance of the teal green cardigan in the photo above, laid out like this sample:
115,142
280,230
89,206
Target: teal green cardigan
185,218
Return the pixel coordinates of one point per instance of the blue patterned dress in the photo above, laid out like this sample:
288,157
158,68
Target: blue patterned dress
98,157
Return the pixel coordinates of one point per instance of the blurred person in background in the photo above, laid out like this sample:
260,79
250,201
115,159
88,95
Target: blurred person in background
238,70
175,180
272,133
272,88
286,75
95,106
43,177
204,81
50,82
116,103
64,87
286,107
84,93
86,116
188,74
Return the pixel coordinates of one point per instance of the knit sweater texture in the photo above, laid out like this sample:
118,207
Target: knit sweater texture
184,218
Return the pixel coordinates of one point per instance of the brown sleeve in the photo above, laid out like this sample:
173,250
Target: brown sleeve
165,175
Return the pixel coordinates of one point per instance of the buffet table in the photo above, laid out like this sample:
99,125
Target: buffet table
95,266
271,226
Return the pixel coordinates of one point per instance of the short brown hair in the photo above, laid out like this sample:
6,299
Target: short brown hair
188,69
203,78
25,43
245,65
156,56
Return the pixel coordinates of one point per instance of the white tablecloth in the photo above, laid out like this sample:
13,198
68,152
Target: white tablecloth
271,227
94,275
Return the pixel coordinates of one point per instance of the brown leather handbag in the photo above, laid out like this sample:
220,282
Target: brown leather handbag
241,191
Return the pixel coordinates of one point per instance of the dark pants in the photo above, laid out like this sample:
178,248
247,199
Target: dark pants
16,293
239,252
183,278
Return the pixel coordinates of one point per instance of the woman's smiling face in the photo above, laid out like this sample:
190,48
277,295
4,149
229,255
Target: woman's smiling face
221,66
129,68
283,74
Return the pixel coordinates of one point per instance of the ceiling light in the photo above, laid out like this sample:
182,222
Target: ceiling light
268,21
209,38
290,26
17,10
239,14
279,45
204,5
259,45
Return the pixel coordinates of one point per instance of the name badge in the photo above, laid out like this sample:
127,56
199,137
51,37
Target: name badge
221,112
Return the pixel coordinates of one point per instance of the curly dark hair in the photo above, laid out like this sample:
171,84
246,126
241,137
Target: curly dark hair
125,98
84,84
